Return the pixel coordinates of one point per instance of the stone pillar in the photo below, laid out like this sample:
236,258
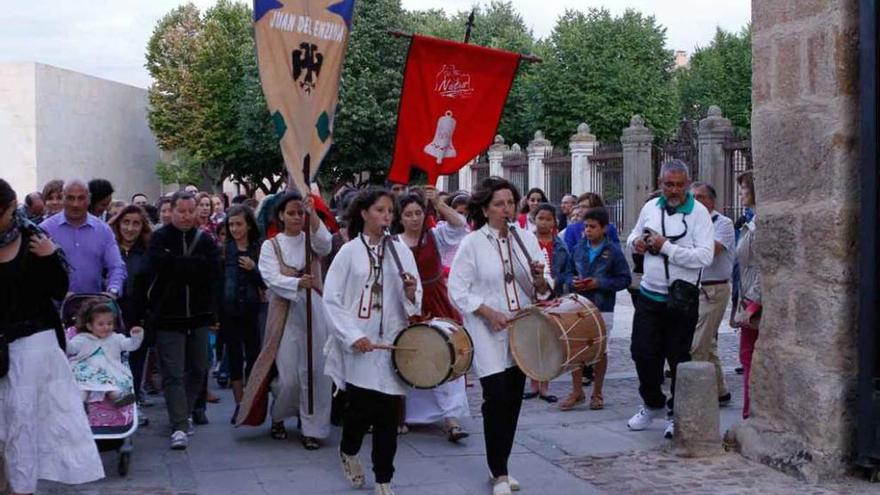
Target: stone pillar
496,156
442,183
582,146
537,150
638,175
714,131
697,420
465,177
805,146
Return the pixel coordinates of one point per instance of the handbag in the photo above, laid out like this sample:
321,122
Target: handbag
683,297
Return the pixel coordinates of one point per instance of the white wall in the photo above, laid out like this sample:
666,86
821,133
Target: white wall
18,149
88,127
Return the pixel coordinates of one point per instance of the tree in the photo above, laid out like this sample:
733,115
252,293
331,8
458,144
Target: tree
171,54
720,74
372,76
602,69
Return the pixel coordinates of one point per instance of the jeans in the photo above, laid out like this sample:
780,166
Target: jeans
183,359
365,408
502,400
660,334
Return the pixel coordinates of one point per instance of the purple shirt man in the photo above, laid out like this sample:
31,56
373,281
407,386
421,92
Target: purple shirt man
88,243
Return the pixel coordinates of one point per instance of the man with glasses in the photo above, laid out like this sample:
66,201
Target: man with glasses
675,234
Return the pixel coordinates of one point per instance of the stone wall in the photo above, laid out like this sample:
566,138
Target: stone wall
805,148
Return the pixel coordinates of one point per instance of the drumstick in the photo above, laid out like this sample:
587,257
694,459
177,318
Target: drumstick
389,347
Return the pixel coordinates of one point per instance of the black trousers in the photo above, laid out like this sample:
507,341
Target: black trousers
241,335
660,334
502,400
365,408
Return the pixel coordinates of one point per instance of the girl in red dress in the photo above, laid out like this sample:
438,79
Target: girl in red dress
448,402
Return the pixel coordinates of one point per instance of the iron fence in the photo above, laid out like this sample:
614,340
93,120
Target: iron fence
737,159
557,175
607,180
515,168
684,146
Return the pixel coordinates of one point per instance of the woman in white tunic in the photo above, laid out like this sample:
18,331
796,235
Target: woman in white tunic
447,402
290,387
369,302
490,280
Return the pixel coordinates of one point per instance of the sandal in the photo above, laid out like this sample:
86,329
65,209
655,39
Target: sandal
550,399
278,432
596,402
352,469
572,401
530,395
456,433
310,443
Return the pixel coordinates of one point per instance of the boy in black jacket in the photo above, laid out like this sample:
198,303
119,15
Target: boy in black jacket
183,271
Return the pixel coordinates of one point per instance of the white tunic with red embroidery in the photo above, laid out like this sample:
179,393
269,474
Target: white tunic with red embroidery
477,277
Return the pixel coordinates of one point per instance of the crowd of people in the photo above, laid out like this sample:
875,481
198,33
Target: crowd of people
201,284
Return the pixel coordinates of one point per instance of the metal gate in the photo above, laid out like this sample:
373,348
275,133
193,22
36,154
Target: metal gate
607,180
479,171
557,175
737,159
515,168
684,146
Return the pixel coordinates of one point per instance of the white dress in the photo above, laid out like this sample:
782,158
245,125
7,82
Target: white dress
450,399
44,431
97,363
352,311
289,387
477,277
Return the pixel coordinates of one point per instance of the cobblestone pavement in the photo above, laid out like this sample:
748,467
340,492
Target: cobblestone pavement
579,452
659,471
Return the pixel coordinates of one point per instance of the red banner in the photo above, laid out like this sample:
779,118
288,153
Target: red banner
453,96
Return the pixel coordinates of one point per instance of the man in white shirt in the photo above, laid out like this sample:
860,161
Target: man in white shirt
715,290
675,234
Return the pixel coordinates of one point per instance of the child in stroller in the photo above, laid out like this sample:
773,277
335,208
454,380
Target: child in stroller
96,355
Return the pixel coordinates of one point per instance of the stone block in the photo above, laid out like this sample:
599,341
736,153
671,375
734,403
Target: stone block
787,68
762,74
768,14
820,78
846,58
697,418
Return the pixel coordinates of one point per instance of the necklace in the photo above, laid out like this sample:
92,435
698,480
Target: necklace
376,275
508,274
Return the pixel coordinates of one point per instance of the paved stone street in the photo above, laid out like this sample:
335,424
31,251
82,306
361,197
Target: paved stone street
577,452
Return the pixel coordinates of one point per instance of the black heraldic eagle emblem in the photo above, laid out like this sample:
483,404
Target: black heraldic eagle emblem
307,63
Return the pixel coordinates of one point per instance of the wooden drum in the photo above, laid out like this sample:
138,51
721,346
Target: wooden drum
432,353
550,339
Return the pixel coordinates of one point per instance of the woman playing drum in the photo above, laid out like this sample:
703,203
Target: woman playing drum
492,277
448,401
369,301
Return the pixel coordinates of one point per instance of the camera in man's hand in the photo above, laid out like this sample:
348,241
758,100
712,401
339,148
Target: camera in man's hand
648,239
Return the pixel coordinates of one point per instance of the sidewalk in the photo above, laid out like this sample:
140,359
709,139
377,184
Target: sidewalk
577,452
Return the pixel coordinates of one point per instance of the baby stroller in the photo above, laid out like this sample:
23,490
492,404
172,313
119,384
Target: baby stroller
112,427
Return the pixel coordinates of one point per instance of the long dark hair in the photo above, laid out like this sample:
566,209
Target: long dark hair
483,196
361,202
253,235
146,227
402,203
7,197
525,206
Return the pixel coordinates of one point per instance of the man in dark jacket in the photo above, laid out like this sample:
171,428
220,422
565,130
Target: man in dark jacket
183,269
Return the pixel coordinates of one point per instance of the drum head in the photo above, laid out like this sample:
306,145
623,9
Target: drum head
536,346
430,363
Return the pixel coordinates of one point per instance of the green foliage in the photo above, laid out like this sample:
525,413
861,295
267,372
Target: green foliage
181,169
720,74
601,70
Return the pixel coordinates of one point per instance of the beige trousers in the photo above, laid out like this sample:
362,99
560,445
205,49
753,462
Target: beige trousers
713,302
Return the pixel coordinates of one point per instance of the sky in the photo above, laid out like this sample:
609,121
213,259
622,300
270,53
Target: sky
107,38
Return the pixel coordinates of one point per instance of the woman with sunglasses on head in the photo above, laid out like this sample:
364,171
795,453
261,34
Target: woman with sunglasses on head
448,402
371,291
497,272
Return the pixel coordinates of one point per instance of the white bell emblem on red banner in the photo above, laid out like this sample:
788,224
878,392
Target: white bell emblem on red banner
441,146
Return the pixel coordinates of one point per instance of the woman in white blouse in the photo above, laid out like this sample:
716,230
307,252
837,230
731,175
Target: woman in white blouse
282,260
369,302
491,280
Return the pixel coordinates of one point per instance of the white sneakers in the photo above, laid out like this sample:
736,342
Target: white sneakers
383,489
514,484
179,440
501,488
644,418
354,472
190,427
670,428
